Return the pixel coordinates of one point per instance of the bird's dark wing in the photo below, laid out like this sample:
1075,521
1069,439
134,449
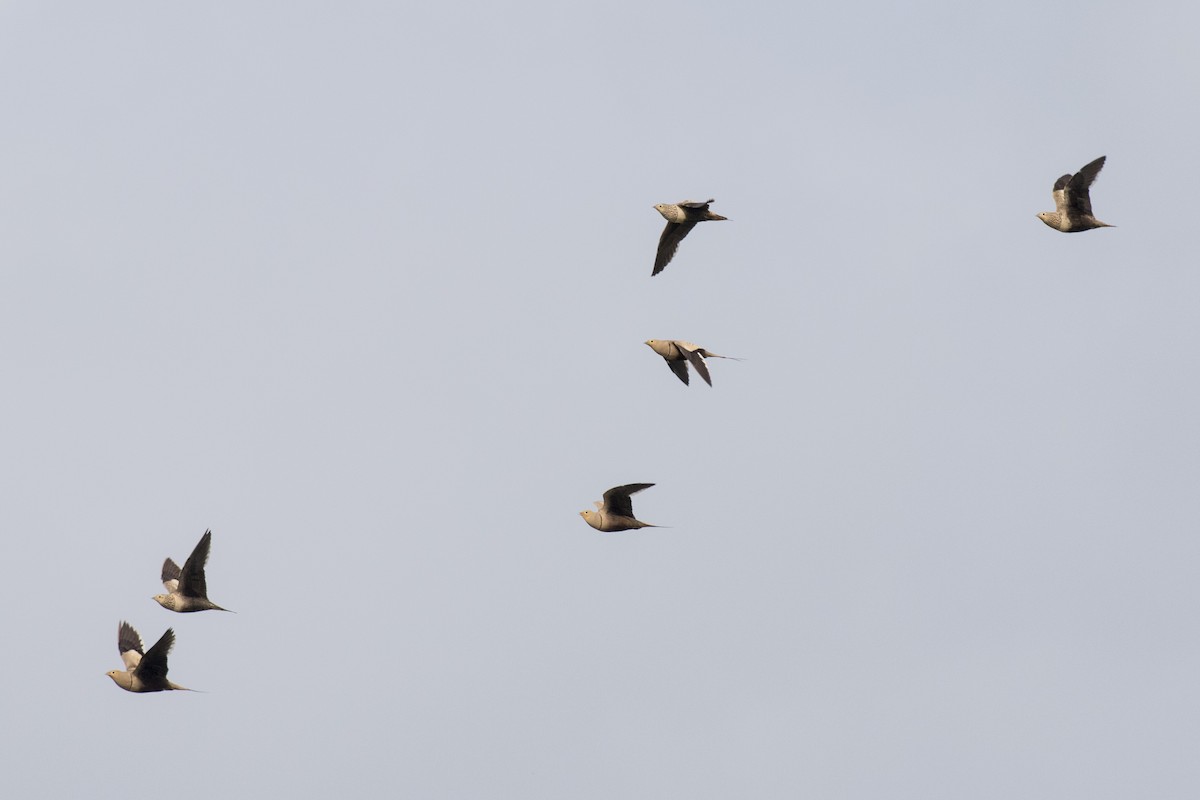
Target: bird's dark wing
1077,198
696,204
698,364
680,370
668,243
153,666
617,501
1060,194
128,639
191,577
170,571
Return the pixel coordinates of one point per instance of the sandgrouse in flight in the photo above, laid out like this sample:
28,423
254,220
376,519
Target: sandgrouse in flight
1072,205
144,671
678,354
186,588
615,513
681,218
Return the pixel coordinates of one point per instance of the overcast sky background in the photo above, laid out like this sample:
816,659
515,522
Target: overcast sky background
362,287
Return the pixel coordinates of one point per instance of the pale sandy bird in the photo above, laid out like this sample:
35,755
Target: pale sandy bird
144,672
681,218
186,588
1072,203
679,354
615,512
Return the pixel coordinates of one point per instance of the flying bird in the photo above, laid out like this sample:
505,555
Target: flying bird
144,672
681,218
679,354
615,512
186,588
1072,204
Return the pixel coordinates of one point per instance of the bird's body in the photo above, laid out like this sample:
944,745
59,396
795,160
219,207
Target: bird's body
187,590
681,217
1072,202
144,671
678,354
615,512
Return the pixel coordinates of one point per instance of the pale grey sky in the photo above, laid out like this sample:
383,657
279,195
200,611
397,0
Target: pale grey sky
363,288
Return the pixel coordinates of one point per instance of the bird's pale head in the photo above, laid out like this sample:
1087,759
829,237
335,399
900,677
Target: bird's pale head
671,213
166,601
663,347
1049,217
591,518
122,679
